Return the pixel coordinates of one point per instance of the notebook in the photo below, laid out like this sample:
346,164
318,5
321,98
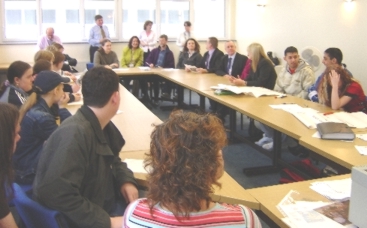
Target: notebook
331,130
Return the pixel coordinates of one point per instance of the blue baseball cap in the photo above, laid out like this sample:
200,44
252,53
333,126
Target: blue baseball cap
48,80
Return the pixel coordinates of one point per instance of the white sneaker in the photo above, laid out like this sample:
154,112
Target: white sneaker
263,141
268,146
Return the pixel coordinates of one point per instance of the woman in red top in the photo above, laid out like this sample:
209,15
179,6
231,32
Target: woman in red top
338,90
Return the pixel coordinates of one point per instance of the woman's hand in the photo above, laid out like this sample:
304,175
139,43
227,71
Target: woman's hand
334,79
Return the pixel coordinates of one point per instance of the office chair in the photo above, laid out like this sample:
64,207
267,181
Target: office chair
33,214
90,66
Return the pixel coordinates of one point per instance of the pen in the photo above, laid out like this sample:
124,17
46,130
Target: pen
328,113
147,63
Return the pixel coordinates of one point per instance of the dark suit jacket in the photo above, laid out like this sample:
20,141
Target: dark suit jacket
214,62
265,75
239,63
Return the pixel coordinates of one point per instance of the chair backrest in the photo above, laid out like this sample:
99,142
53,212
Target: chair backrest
33,214
90,66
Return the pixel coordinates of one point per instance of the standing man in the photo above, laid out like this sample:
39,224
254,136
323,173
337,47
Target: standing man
231,64
48,39
332,57
96,35
80,172
182,37
211,59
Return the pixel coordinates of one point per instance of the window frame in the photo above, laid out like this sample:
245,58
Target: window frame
229,7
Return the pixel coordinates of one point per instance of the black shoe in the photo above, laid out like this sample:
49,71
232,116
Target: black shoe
299,151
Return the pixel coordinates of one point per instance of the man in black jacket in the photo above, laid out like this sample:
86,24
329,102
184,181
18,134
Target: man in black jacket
231,64
211,59
79,172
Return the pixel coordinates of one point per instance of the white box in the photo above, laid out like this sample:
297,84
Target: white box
358,198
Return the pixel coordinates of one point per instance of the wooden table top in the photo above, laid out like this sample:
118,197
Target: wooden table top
270,196
135,122
230,192
341,152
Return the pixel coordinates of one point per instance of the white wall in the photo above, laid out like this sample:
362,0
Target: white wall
318,23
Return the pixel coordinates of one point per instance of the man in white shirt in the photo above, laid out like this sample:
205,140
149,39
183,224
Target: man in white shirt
48,39
96,35
182,37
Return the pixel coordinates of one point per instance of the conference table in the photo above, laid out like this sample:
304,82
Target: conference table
339,154
269,197
136,123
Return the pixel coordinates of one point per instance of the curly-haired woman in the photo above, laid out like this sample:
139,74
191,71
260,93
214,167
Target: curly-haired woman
186,161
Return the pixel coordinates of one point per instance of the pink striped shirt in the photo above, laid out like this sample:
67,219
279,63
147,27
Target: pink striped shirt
221,215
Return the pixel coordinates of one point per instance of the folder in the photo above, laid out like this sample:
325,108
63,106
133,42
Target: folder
331,130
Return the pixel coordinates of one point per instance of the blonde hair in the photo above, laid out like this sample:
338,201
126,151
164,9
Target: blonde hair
44,54
257,52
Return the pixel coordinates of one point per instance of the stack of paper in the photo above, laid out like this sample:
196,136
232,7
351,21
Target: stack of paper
362,149
333,190
248,90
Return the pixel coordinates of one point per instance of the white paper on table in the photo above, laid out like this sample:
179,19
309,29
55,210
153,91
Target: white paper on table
169,69
316,135
118,70
80,102
334,190
287,107
362,149
119,112
301,214
362,136
144,68
135,165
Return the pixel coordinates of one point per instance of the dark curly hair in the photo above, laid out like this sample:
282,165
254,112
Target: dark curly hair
131,41
197,45
184,161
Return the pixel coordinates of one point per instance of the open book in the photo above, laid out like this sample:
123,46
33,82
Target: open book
248,90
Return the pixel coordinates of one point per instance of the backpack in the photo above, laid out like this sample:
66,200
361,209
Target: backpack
305,165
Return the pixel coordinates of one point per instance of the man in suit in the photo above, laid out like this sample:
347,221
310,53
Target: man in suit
231,64
211,58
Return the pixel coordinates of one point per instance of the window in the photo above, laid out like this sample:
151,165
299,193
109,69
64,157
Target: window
73,19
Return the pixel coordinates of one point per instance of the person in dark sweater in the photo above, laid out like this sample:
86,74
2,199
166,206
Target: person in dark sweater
104,56
262,72
190,55
211,58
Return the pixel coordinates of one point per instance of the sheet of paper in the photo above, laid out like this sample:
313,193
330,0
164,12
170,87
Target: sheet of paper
135,165
362,149
118,70
119,112
362,136
334,190
80,103
316,135
144,68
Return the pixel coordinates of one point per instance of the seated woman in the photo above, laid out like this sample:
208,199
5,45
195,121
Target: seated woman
104,56
69,62
18,84
38,122
337,89
44,54
9,125
132,56
190,55
262,72
185,161
71,90
39,66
